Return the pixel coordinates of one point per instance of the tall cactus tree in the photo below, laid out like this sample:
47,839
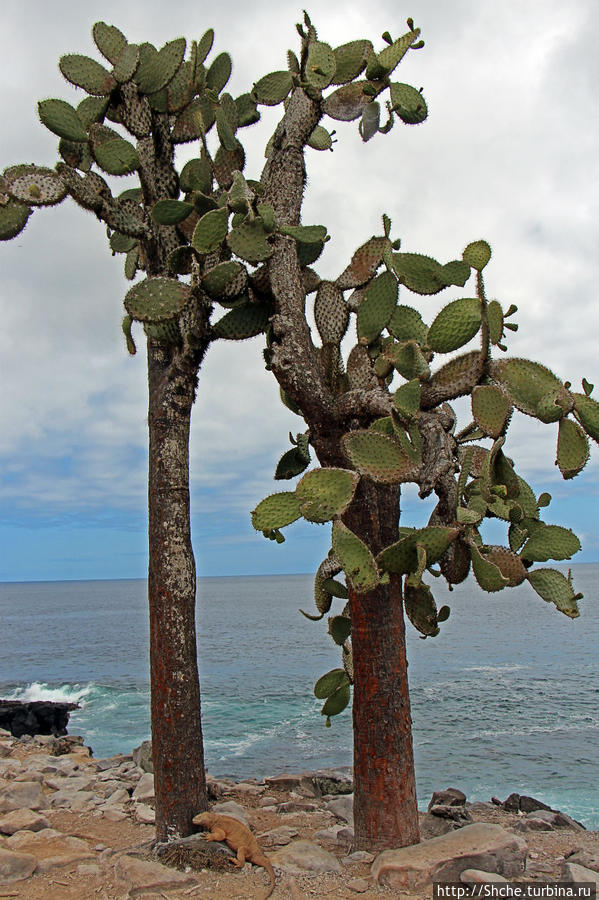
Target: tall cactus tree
382,418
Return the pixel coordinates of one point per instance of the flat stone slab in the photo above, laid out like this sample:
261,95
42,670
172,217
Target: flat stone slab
489,848
23,795
16,866
22,820
573,873
143,874
304,857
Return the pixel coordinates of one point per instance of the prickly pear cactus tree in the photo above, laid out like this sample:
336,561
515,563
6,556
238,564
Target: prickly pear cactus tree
374,385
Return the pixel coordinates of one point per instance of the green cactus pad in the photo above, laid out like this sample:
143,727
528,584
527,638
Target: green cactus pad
155,70
164,332
13,218
194,121
329,683
276,511
330,313
350,60
219,72
113,154
320,139
36,186
292,463
336,703
455,272
210,231
306,234
370,121
242,322
226,280
377,456
406,325
572,448
157,300
408,359
205,45
555,588
377,307
360,374
550,542
455,325
487,574
402,557
325,493
60,118
526,382
364,263
347,103
477,254
320,65
196,175
323,596
86,73
407,399
421,609
126,63
121,243
109,40
420,274
495,321
171,212
356,559
509,564
249,241
454,379
392,55
408,103
491,409
340,629
587,412
131,263
272,89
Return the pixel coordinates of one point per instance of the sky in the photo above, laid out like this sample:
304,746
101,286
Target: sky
508,154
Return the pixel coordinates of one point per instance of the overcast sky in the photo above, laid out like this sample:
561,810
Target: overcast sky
509,153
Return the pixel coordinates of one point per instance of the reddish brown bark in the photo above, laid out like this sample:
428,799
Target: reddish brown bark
177,748
385,805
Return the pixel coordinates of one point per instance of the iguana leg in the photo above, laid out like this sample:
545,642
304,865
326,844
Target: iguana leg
217,835
240,861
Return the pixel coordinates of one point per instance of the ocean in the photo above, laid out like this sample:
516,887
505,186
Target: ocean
505,699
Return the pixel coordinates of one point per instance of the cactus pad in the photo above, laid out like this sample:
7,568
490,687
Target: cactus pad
421,274
550,542
249,241
364,263
272,89
210,231
196,175
408,103
226,280
36,186
320,65
421,609
555,588
156,69
360,374
392,55
320,139
454,379
377,307
157,300
242,322
347,103
356,559
527,383
495,321
377,456
329,683
109,40
587,413
477,254
61,118
276,511
455,325
509,564
491,409
406,325
171,212
126,63
572,448
113,154
402,557
325,493
219,72
488,575
408,359
86,73
330,313
13,218
350,60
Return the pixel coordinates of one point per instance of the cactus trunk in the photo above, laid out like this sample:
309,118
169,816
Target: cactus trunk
180,780
385,807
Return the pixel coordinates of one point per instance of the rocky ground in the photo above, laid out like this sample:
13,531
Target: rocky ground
77,828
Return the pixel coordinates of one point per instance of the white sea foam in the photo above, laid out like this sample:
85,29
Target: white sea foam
66,693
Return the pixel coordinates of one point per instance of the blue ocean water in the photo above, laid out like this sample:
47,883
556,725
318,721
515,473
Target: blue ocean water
505,699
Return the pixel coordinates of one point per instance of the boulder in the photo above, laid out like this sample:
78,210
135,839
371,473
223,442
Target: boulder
476,876
142,756
278,837
23,795
35,717
142,875
144,789
342,808
230,808
22,820
573,873
448,797
480,846
585,858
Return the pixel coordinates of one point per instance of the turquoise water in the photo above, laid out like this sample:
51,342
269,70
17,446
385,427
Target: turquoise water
505,699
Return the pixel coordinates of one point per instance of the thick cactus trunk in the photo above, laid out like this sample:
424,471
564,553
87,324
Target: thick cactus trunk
179,775
385,807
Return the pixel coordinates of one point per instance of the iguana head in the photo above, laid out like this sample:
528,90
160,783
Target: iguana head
204,818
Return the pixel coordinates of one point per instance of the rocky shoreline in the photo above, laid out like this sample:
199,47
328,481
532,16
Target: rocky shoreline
73,827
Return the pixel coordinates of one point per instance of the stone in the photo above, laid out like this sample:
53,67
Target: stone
448,797
572,872
142,756
301,857
358,885
342,808
284,782
291,806
22,820
16,866
145,788
479,846
23,795
329,781
113,814
230,808
529,804
532,823
456,814
119,796
89,870
5,749
70,783
249,790
358,856
338,837
585,858
278,837
111,762
477,876
145,814
555,818
79,800
51,848
143,874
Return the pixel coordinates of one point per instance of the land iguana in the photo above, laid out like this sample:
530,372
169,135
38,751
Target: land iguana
239,838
